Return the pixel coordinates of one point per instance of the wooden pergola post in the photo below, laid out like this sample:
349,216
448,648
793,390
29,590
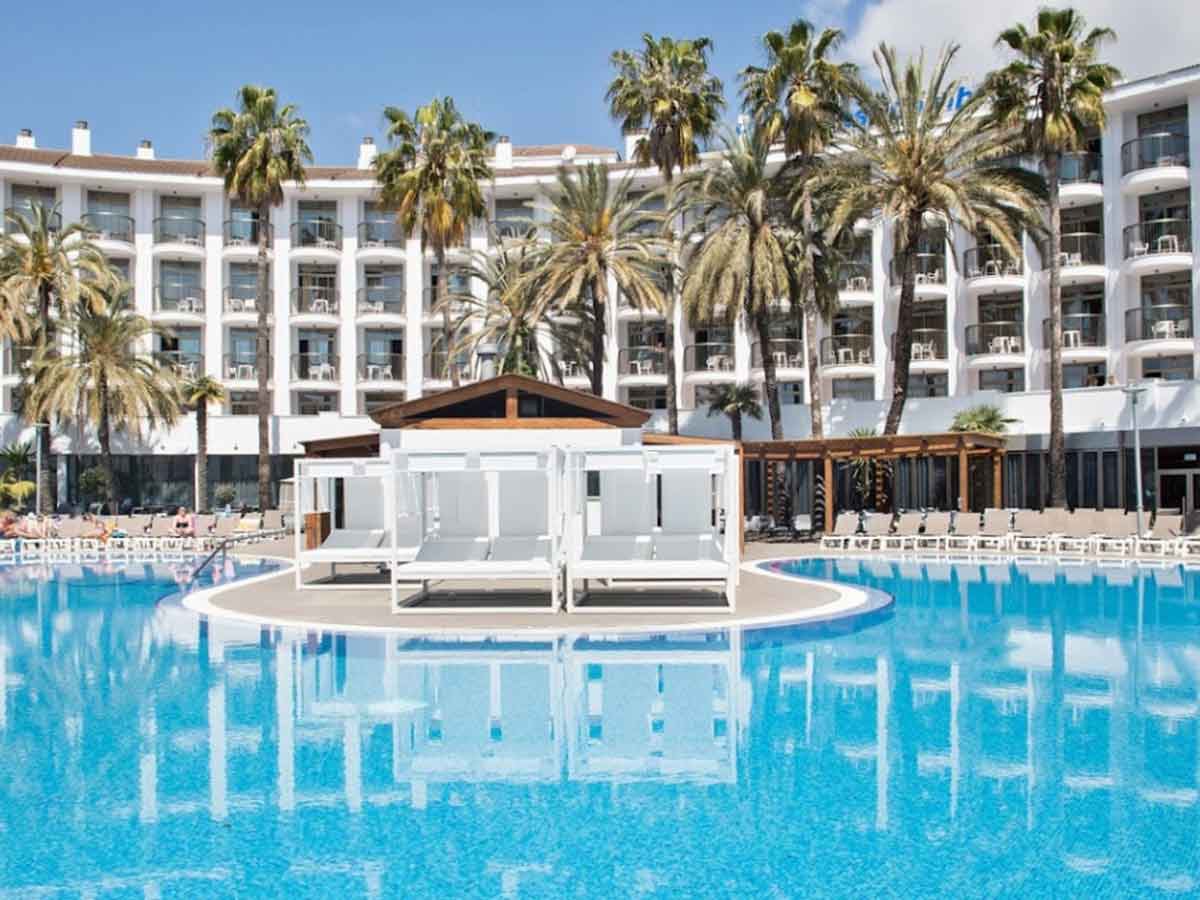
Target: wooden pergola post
997,487
963,486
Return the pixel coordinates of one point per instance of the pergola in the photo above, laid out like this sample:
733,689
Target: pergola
882,448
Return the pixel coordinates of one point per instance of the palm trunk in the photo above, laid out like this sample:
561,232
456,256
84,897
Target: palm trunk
202,456
106,459
761,317
43,424
1058,454
902,338
447,324
262,364
810,327
599,305
735,425
669,288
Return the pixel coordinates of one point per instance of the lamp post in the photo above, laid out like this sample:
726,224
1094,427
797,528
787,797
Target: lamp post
37,472
1133,391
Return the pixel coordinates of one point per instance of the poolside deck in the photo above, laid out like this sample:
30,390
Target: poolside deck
276,600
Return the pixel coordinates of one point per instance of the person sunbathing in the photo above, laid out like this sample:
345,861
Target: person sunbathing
8,526
95,528
183,526
33,528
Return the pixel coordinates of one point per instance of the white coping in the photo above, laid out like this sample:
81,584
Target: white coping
849,600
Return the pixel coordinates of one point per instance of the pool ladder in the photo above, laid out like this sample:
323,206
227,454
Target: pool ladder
220,548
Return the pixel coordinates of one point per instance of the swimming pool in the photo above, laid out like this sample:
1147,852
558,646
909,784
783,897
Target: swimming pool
1002,729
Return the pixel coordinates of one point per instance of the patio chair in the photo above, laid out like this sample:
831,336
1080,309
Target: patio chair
937,529
1031,530
1188,543
1117,534
878,526
997,533
1164,537
844,529
1082,526
966,530
908,527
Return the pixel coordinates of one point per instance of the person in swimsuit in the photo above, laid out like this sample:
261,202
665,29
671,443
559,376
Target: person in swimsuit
183,525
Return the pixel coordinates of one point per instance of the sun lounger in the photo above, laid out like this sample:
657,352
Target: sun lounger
908,527
1081,529
1030,531
997,532
1164,537
937,529
878,525
1188,543
844,529
1117,534
966,530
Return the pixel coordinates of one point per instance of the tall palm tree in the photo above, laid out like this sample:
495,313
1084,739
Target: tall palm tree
103,381
596,229
910,160
665,88
800,96
46,268
256,149
198,394
739,266
1052,93
432,178
735,401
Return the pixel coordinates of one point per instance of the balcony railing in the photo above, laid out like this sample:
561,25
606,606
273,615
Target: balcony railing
642,361
179,230
931,269
185,365
1158,236
990,260
379,234
513,229
319,299
26,213
108,226
1080,168
179,298
995,337
1079,330
1079,248
244,299
380,301
241,367
712,356
787,353
857,276
381,367
1153,151
438,363
848,350
315,366
1158,323
929,344
243,233
317,233
17,360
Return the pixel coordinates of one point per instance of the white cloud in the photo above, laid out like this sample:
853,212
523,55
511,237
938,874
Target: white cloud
1151,37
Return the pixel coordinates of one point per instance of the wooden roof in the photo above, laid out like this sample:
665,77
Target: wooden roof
510,401
892,445
354,445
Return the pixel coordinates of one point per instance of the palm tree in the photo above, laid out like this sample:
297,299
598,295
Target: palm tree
909,160
104,382
739,265
199,394
984,417
1052,93
431,177
800,95
44,269
596,229
735,401
256,148
667,90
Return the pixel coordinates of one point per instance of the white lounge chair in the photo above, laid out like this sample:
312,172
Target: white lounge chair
997,532
878,526
908,528
1116,534
935,533
1080,533
845,528
966,531
1164,537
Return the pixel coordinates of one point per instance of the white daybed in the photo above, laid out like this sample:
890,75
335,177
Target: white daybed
655,521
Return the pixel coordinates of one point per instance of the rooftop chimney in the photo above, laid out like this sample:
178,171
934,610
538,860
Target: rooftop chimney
145,150
81,139
632,139
504,153
367,151
25,139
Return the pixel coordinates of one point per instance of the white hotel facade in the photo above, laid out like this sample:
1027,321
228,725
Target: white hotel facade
353,328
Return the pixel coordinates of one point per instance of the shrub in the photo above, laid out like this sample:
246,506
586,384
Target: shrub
224,495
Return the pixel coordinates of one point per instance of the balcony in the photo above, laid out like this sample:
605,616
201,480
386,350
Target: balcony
317,238
17,360
509,230
848,350
317,299
318,366
180,234
184,364
26,213
635,362
380,301
1083,335
713,358
857,281
240,236
379,235
1154,162
988,339
381,368
242,300
929,345
1160,245
990,268
241,367
786,353
1080,178
1166,328
1080,258
183,300
438,363
108,227
930,275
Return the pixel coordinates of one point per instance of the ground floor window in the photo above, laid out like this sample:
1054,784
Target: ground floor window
1084,375
1168,368
310,403
791,393
245,403
853,389
647,397
371,402
928,384
1006,381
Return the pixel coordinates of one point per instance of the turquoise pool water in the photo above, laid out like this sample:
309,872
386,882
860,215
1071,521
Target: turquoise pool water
1002,730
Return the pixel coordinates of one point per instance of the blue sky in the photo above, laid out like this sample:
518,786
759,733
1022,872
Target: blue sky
533,70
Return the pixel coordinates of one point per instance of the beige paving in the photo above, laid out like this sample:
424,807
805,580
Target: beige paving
276,599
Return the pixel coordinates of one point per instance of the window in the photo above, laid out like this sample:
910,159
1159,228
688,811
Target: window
853,389
1000,308
928,384
372,402
647,397
179,207
1164,121
1165,205
245,403
791,393
1081,375
1174,289
1168,368
309,403
26,197
1112,497
1006,381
